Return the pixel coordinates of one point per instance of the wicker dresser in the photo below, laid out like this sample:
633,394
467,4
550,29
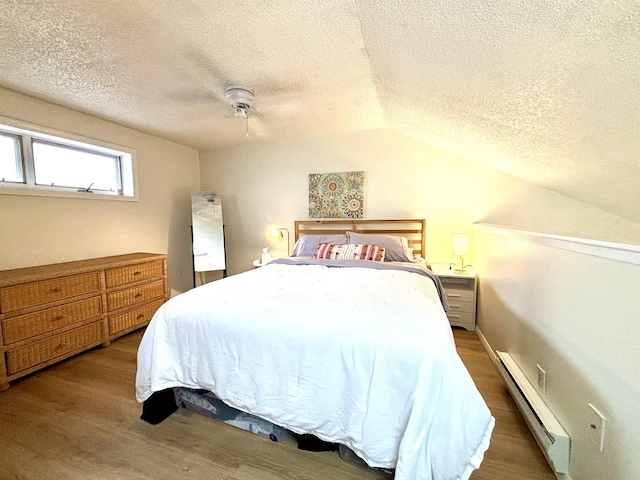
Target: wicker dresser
52,312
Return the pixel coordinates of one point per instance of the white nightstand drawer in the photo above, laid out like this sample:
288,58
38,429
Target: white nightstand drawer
460,290
456,318
459,307
457,295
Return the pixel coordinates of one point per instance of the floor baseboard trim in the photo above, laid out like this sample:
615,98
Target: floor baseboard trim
494,358
487,346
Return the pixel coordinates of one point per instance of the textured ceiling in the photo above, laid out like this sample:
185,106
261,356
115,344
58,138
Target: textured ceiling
544,90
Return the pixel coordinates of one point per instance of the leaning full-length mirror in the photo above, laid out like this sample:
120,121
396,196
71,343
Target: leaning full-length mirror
208,232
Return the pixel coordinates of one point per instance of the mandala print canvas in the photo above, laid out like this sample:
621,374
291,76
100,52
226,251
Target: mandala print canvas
336,195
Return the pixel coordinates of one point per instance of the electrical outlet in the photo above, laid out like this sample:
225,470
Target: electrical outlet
542,380
597,423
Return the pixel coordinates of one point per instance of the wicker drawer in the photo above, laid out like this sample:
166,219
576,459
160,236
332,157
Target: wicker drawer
65,344
132,296
133,273
36,293
51,312
27,326
133,318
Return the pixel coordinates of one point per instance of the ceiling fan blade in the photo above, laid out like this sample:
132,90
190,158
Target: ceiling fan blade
257,127
196,95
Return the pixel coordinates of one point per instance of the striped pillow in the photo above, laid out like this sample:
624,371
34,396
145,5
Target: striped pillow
350,251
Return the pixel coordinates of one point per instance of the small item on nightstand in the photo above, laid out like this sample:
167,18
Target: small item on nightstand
461,249
266,256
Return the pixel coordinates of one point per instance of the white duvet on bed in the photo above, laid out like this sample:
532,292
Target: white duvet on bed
358,356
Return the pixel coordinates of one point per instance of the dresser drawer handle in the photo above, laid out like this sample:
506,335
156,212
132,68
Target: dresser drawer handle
58,318
140,316
453,316
138,295
55,290
137,273
454,306
453,295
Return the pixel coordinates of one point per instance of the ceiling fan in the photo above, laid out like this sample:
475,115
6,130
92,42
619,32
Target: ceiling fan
241,100
213,83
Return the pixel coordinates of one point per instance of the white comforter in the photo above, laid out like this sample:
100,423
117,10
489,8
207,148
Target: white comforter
357,356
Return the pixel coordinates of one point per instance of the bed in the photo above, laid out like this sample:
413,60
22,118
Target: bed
357,352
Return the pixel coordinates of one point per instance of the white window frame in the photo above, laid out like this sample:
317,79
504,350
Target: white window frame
18,146
26,132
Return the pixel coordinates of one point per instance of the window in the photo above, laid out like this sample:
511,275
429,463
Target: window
63,166
38,163
10,158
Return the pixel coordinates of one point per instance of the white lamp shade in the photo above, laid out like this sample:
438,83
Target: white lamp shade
276,233
461,244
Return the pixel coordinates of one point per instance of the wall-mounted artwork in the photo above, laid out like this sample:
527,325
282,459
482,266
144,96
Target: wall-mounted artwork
336,195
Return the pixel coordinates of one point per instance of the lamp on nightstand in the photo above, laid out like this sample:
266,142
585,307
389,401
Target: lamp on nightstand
461,249
278,233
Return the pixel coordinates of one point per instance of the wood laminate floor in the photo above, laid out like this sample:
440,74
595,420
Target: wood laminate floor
79,420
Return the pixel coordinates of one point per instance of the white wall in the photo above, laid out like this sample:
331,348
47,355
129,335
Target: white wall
42,230
575,315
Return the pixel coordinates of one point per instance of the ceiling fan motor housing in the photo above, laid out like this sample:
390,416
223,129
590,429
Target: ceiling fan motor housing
241,111
241,99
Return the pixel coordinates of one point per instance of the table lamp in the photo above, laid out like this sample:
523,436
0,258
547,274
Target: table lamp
278,233
461,249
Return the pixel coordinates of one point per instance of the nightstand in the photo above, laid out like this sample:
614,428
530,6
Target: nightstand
460,289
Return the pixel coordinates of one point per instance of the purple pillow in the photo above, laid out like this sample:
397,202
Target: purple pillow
396,247
307,244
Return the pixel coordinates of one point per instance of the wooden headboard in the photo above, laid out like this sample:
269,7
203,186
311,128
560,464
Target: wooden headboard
412,229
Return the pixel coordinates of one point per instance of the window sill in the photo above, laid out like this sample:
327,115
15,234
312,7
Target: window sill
13,189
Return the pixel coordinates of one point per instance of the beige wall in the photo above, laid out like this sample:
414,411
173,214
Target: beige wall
575,315
42,230
570,312
265,185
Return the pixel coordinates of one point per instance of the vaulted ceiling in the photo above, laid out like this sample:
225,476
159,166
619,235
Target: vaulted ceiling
544,90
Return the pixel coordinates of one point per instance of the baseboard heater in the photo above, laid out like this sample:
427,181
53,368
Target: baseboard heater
554,441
